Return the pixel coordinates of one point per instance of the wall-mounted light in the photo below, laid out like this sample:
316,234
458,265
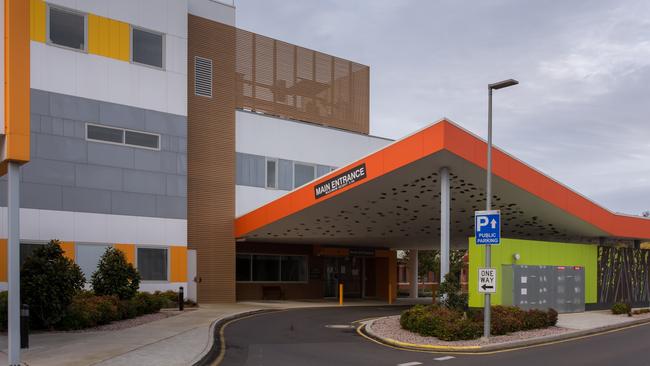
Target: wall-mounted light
516,256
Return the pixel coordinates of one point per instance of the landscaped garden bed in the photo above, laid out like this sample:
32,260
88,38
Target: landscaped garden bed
54,288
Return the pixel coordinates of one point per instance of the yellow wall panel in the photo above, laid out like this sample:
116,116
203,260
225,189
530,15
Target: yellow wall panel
178,261
68,249
3,260
128,250
108,37
37,20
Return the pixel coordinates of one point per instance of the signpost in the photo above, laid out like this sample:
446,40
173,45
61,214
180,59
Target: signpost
487,280
487,231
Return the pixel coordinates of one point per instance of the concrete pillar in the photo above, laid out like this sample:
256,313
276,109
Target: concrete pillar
637,244
413,276
13,262
444,222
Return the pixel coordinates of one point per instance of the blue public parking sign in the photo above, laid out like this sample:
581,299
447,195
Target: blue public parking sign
487,227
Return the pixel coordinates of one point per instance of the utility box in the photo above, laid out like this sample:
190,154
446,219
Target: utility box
541,287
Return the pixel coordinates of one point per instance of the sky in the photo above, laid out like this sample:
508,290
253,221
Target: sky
581,113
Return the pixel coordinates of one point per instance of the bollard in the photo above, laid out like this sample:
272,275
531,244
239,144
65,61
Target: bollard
24,326
181,299
390,294
340,293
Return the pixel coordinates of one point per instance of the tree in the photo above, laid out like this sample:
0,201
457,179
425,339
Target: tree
48,281
429,261
115,275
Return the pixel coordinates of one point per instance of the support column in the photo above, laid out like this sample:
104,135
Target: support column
13,259
413,276
444,222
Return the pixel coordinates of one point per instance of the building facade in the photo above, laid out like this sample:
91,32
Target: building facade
132,102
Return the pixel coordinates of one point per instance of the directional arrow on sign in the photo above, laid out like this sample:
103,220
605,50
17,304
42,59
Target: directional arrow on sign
485,287
494,223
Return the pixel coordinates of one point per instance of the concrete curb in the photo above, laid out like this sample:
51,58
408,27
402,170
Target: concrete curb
214,339
366,329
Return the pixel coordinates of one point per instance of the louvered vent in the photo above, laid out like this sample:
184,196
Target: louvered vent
203,77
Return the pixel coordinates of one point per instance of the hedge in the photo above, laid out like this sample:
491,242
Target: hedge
88,310
452,325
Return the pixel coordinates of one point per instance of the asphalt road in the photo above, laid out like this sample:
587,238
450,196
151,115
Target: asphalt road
302,337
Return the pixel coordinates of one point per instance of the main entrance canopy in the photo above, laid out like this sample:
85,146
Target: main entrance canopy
396,197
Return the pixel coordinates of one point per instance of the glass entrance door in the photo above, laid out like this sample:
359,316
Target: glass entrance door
346,269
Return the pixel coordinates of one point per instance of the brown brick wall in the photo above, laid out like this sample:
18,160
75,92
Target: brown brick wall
211,162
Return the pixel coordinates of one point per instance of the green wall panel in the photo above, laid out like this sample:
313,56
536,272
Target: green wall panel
536,253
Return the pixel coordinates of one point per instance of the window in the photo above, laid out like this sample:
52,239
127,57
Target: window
152,264
266,268
147,47
202,77
271,268
122,136
303,173
271,173
67,28
26,250
88,257
141,139
293,268
243,266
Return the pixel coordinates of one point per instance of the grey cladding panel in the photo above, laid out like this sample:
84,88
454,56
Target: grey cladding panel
144,182
322,170
86,200
102,177
111,155
49,172
60,148
41,196
69,173
124,203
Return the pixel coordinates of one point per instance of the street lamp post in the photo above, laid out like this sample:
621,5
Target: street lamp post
488,194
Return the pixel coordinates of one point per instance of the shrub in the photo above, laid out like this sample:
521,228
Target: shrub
87,311
49,281
535,319
449,294
4,305
146,303
641,311
440,322
506,319
115,275
621,308
551,318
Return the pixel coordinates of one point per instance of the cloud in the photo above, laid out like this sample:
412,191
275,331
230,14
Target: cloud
581,113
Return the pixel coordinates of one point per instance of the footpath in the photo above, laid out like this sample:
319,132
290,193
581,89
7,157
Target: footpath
174,341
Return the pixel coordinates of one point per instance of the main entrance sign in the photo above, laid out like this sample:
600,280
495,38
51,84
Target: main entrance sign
342,180
487,227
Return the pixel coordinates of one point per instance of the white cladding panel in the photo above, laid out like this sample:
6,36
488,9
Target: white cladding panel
45,225
279,138
218,11
298,141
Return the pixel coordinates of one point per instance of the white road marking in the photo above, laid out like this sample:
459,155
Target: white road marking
444,358
340,326
409,364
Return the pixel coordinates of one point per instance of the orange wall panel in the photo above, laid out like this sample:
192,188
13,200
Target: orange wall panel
178,261
68,249
128,250
16,53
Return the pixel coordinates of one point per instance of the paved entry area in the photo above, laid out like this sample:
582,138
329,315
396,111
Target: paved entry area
320,337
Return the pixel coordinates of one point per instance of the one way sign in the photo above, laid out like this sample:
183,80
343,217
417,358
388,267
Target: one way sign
487,280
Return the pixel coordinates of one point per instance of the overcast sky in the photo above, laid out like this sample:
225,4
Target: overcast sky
581,113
